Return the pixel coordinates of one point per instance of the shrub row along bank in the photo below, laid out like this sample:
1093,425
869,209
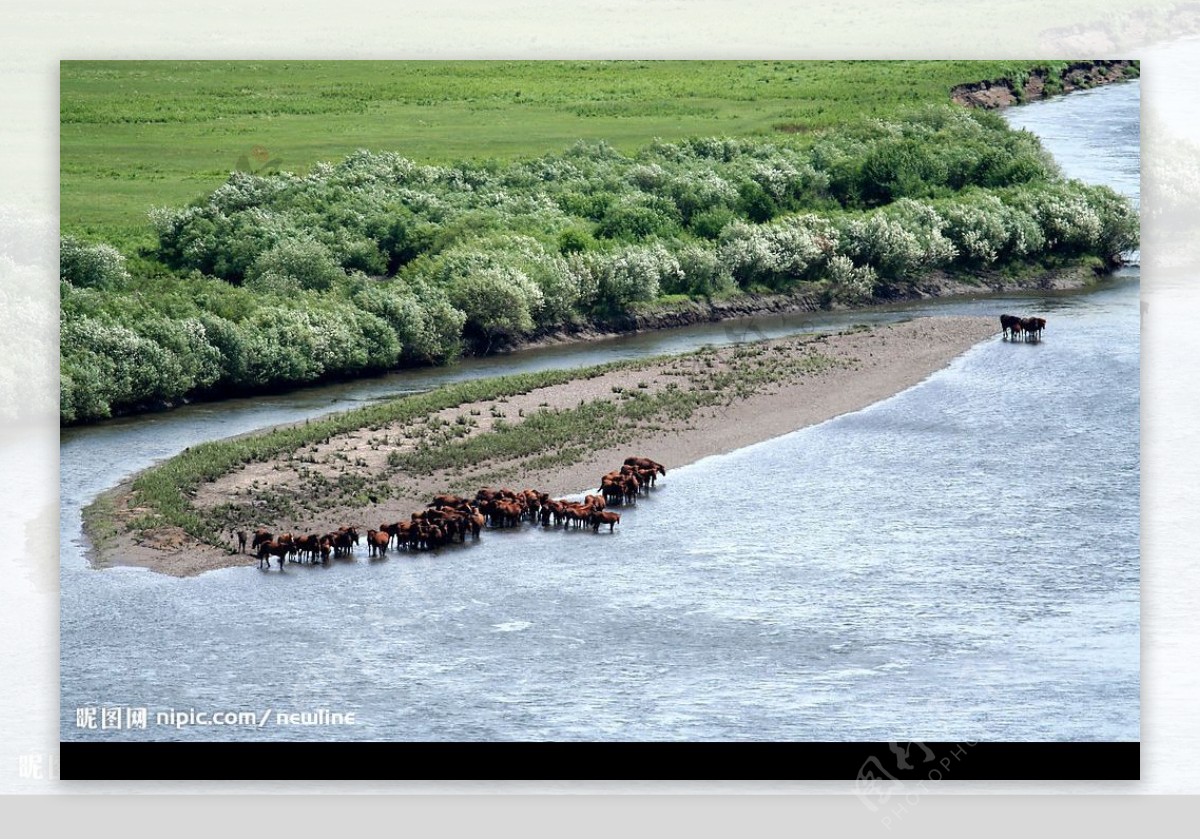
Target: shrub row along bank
377,261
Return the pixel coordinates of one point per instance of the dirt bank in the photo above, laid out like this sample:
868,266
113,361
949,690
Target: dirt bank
1078,75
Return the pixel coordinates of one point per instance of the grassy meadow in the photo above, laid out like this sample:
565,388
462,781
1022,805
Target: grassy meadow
138,134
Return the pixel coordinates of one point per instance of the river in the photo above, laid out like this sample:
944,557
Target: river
958,562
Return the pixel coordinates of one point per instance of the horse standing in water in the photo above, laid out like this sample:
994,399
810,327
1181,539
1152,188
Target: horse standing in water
1008,323
1033,328
1029,329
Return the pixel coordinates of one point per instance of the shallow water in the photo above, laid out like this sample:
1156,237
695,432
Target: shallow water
958,562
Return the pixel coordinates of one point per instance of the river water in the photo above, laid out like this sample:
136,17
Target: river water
958,562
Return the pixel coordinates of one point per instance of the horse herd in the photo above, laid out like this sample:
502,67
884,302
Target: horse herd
449,518
1029,329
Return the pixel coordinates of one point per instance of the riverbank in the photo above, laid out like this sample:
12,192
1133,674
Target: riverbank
662,315
1041,83
810,298
557,432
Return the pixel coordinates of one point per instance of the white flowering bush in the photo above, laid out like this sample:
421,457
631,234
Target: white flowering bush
286,345
560,294
929,227
1120,227
1025,236
850,284
697,190
498,303
789,180
294,265
777,254
898,241
583,273
802,244
884,243
702,273
1067,220
90,265
636,273
648,177
979,229
749,254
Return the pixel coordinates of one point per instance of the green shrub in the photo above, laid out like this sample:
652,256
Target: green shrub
633,274
498,303
293,265
93,266
709,223
849,284
638,216
575,241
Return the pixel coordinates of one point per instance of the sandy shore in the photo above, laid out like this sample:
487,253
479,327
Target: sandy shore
799,381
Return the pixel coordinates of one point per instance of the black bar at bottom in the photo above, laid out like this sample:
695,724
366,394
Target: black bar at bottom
873,764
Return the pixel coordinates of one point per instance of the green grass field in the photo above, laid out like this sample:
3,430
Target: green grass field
141,134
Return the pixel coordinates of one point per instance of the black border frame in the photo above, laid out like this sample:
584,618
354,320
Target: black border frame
876,766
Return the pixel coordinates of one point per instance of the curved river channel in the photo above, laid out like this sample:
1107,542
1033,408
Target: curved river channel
959,562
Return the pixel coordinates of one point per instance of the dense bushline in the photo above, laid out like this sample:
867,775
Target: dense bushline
377,261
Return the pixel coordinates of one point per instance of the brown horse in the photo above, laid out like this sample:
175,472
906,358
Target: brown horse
604,517
344,541
646,464
435,537
273,548
262,535
400,531
309,546
631,487
378,542
507,514
1033,328
1007,322
613,492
